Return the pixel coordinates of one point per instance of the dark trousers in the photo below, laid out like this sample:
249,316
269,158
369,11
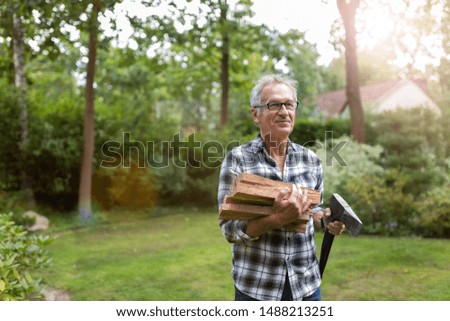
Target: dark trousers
286,296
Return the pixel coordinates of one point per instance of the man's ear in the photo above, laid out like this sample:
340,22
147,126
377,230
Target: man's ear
255,115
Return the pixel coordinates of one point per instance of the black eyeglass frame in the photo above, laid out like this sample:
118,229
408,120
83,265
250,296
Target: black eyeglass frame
272,104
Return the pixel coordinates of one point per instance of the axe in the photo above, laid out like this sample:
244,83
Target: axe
340,211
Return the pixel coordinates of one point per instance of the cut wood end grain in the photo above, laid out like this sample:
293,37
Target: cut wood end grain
252,196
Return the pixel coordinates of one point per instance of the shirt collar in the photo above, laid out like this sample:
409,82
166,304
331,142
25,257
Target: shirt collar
257,145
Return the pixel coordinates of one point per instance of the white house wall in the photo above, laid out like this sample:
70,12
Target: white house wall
406,96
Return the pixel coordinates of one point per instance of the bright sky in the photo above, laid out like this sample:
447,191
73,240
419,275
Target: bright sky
314,17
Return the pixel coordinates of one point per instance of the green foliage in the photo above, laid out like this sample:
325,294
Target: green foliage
55,149
349,161
310,130
10,133
382,203
301,60
385,183
164,166
433,208
132,187
21,254
16,201
379,196
409,171
192,174
414,143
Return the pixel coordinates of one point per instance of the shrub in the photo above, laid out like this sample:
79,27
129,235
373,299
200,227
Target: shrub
377,196
132,187
412,142
17,202
10,133
433,208
382,203
434,213
351,161
55,154
308,130
21,254
408,196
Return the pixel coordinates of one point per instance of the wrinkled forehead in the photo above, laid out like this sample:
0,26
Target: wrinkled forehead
278,91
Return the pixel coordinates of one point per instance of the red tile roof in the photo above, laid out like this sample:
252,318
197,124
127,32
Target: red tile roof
333,103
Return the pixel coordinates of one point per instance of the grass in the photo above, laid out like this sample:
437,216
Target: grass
180,254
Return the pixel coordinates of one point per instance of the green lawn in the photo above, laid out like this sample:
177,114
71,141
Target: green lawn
176,254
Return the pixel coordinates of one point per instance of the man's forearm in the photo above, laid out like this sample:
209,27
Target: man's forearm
274,221
262,225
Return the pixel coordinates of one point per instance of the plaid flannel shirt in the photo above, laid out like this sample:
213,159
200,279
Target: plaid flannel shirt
260,264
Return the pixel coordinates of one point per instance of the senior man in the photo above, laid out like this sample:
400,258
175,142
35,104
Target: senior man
272,259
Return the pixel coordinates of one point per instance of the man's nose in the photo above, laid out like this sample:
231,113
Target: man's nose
283,110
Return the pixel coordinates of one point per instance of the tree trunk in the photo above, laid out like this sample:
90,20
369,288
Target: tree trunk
224,67
20,83
84,203
347,9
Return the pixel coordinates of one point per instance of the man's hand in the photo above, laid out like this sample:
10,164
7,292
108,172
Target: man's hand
291,208
317,219
299,225
336,227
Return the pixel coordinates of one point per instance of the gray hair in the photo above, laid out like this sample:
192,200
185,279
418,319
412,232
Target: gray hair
255,97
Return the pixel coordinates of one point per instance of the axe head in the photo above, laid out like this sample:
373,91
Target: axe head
341,211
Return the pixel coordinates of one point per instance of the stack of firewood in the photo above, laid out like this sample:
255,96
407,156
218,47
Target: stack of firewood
252,196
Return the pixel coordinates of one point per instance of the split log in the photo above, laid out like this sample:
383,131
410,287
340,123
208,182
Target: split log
251,187
231,210
252,196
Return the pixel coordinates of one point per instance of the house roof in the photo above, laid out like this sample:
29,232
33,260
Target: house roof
333,103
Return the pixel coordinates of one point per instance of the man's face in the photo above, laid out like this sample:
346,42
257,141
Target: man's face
279,123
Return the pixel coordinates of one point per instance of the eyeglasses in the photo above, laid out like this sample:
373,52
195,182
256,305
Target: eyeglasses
276,105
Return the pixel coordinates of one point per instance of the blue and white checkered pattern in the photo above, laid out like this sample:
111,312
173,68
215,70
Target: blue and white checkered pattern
260,264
